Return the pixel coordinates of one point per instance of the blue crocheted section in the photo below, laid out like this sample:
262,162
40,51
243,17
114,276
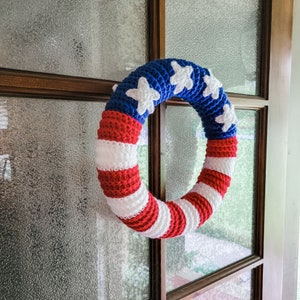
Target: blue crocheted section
167,78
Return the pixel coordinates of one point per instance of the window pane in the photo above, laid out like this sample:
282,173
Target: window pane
101,39
59,240
222,36
228,235
239,288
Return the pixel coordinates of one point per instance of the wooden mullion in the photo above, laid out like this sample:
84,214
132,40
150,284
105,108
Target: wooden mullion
260,175
156,141
34,84
156,24
264,58
156,187
212,280
257,283
260,199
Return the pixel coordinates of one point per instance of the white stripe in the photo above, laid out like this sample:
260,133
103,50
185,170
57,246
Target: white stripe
130,206
223,165
191,215
209,193
111,155
162,224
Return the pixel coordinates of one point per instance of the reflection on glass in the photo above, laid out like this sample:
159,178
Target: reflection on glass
222,36
59,239
228,235
239,288
92,38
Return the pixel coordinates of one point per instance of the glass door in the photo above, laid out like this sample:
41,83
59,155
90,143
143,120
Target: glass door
232,255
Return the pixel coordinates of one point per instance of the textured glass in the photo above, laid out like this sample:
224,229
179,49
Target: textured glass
92,38
239,288
58,238
228,235
222,36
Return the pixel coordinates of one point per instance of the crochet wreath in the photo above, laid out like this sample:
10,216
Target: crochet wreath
116,150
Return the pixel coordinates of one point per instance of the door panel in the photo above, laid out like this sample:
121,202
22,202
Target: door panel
224,36
228,235
59,238
99,39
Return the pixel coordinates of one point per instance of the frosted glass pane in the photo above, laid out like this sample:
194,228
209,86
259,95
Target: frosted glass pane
93,38
59,239
239,288
222,36
228,235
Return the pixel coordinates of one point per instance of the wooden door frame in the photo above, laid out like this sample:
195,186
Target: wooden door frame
277,148
292,207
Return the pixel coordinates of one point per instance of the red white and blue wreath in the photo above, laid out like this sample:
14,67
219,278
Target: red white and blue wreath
125,113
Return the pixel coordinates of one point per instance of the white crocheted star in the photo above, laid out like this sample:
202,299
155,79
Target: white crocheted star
182,77
114,87
227,118
212,86
145,96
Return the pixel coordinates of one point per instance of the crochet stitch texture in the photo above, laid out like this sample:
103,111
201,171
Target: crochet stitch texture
116,151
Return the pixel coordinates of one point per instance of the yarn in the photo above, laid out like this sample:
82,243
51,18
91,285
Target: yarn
116,151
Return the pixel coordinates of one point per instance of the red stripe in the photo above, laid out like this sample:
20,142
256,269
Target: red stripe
119,127
145,219
222,148
215,179
117,184
178,221
201,204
